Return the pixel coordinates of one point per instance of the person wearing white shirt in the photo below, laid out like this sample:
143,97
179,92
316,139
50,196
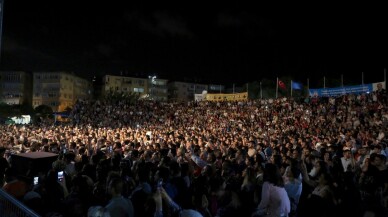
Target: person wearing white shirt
274,198
347,160
293,185
118,206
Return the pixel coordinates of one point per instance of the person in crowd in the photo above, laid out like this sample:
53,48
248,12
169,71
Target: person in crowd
53,191
118,205
14,184
80,197
274,198
347,160
4,165
321,200
247,192
293,186
212,143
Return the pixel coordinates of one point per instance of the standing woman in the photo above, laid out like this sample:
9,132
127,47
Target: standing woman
274,198
321,201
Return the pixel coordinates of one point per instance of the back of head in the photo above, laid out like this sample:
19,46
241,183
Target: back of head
116,185
272,175
98,211
80,184
190,213
295,171
164,173
175,168
70,156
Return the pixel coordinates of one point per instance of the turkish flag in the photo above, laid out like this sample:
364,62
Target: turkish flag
281,85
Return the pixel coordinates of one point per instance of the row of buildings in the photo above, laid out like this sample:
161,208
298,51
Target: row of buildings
60,90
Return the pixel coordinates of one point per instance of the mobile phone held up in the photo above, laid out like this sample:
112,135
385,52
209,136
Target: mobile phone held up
160,183
60,176
36,179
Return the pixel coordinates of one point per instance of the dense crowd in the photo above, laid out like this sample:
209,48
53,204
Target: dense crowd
273,157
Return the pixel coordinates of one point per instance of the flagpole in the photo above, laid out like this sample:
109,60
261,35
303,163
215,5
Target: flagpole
277,87
324,82
291,88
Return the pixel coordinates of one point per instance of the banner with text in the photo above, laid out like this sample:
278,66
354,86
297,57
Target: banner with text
199,97
227,97
338,91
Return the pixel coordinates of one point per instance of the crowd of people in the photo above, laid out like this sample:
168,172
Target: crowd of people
272,157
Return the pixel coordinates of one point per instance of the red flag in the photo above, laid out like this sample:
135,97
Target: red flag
281,85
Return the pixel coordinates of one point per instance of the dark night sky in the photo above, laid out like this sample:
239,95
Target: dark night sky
221,43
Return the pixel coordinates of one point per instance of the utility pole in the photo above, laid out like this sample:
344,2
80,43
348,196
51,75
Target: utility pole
324,82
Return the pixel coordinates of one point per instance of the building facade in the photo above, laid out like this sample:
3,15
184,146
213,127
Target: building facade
183,91
216,88
123,84
157,89
147,88
16,87
59,90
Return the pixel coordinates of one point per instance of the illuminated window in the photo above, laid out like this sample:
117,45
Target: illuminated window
138,90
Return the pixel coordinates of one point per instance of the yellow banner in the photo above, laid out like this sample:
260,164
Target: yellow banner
227,97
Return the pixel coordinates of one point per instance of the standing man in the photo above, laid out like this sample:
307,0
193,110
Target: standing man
118,206
3,165
347,160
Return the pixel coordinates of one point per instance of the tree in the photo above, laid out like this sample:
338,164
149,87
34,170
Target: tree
44,111
253,90
268,87
26,108
8,111
15,110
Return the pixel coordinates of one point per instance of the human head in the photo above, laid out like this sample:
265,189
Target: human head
272,175
347,153
115,186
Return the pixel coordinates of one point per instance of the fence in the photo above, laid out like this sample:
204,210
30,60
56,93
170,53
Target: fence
11,207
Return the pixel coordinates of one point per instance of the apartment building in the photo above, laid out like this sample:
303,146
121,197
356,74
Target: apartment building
216,88
15,87
59,90
123,84
158,89
148,88
183,91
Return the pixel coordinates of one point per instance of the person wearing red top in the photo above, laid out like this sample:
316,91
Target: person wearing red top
14,186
